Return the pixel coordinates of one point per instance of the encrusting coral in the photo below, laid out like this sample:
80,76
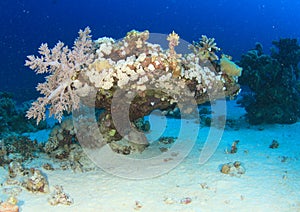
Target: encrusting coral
151,77
229,67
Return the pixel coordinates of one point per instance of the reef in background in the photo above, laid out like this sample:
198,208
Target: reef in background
274,83
12,117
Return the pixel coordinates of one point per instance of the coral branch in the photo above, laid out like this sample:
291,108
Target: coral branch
64,65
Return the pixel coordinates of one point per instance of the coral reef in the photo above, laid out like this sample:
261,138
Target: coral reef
32,179
59,197
22,147
142,73
274,95
63,147
18,148
61,135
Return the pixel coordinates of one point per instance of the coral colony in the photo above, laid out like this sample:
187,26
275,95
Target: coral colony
151,77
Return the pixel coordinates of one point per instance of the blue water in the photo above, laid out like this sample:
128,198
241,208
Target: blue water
236,25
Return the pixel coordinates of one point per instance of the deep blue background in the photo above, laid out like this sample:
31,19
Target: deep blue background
236,25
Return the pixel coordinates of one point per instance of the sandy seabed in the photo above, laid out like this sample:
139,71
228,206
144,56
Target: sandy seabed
271,181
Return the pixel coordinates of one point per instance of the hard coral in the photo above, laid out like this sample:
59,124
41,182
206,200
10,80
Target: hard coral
205,48
173,60
173,39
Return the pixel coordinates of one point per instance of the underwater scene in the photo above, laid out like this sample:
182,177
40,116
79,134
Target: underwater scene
170,105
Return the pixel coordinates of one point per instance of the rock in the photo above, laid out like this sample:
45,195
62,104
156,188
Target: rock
14,169
36,182
186,200
48,166
274,144
137,140
167,140
225,169
233,169
169,200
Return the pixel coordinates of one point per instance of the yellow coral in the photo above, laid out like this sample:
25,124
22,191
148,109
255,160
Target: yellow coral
132,33
206,55
12,200
173,39
100,65
229,67
135,35
205,49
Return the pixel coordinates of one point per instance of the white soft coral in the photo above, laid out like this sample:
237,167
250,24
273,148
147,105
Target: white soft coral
64,65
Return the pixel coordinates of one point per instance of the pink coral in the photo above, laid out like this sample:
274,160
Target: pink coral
64,66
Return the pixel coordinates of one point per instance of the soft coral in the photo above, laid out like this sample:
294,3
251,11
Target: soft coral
64,65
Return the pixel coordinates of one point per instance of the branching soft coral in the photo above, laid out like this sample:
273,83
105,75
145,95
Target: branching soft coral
64,65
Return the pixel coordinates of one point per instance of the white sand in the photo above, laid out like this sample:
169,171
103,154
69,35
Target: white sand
269,183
